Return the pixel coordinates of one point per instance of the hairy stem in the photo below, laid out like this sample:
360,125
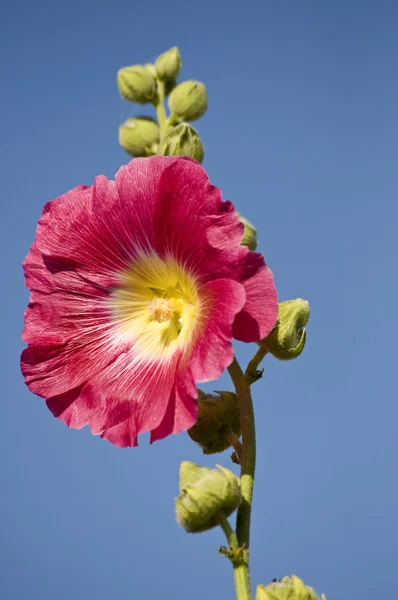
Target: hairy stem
248,462
239,563
252,373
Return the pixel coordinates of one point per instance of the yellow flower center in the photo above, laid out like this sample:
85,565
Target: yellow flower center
157,304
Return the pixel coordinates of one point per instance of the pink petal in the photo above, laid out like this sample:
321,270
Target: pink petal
182,409
125,399
192,223
208,242
213,350
97,231
259,314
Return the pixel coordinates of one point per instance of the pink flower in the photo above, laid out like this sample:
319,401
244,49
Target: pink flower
138,286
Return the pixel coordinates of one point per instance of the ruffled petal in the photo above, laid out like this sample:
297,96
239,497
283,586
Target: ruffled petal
126,398
97,231
182,409
213,350
209,228
259,314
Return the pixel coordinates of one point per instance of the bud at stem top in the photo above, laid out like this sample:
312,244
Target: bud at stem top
182,140
168,65
139,136
138,84
188,101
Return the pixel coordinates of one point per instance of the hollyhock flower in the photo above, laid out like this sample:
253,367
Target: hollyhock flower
137,287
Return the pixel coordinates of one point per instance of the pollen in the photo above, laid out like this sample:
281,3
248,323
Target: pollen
162,309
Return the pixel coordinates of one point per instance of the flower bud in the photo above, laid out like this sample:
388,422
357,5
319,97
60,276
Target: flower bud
138,83
287,339
139,136
204,494
290,588
168,65
182,140
215,415
249,235
188,101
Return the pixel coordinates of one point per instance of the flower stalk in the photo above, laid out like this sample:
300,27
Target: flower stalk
238,558
248,466
252,372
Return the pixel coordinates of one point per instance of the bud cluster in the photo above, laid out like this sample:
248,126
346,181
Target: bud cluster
187,101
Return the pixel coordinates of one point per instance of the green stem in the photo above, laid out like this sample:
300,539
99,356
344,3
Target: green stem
160,110
229,532
252,368
233,440
248,463
241,573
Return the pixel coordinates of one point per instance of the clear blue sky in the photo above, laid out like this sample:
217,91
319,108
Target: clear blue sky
301,134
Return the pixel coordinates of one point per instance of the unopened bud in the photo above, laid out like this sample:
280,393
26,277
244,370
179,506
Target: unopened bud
188,101
168,65
249,235
287,339
216,415
140,136
138,83
204,495
290,588
182,140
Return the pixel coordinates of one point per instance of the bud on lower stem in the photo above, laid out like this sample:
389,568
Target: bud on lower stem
204,494
216,415
290,588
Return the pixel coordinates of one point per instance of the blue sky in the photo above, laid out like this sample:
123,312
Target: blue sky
301,134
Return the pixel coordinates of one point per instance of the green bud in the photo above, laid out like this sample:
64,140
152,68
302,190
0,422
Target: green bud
188,101
216,414
182,140
138,83
140,136
168,65
204,494
249,234
287,339
290,588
